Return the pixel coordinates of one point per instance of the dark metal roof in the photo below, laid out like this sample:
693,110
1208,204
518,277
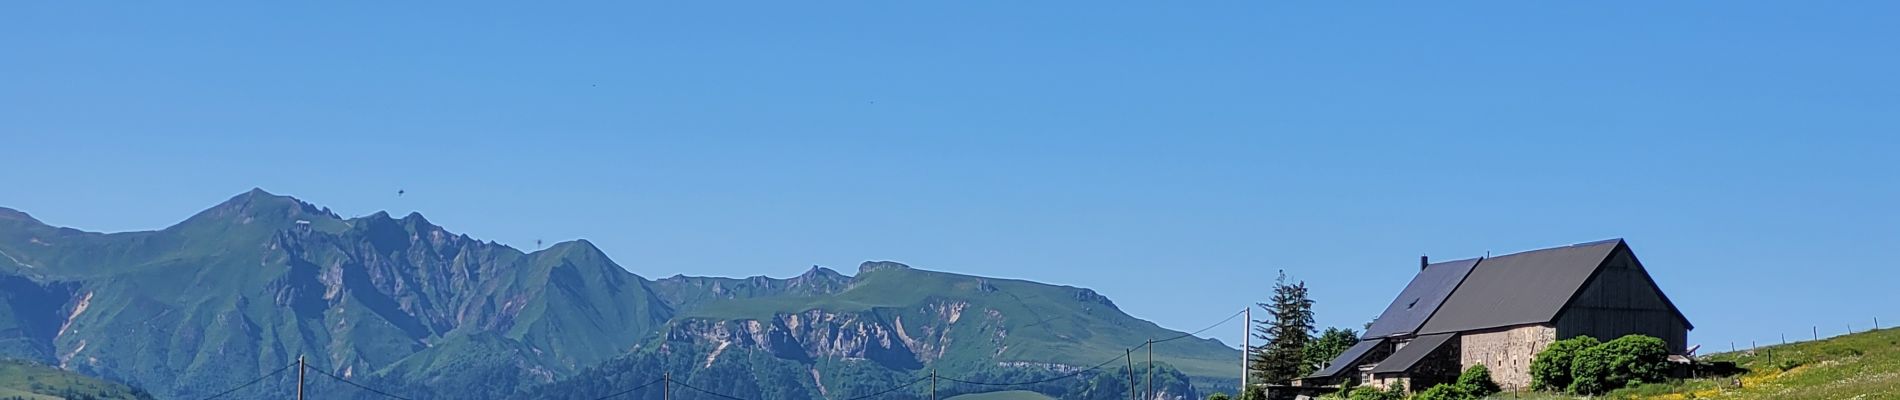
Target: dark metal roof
1347,359
1403,359
1517,289
1420,299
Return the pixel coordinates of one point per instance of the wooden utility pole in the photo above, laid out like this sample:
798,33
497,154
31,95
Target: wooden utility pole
1132,391
300,367
1151,368
1246,348
666,392
933,384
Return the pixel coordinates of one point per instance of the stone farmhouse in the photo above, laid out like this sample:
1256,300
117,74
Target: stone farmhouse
1501,311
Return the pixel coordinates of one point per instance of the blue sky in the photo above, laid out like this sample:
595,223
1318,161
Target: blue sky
1172,156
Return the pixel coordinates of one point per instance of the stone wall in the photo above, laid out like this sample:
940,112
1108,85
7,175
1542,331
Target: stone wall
1507,352
1382,382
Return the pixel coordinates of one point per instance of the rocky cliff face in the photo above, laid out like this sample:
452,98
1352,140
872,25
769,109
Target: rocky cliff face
689,292
246,286
880,337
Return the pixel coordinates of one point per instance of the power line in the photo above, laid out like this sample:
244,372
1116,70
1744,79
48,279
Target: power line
358,386
1209,327
697,389
1078,372
913,382
887,391
634,389
252,382
1230,318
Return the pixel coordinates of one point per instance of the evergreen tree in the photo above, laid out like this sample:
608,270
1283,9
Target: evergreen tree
1329,345
1286,332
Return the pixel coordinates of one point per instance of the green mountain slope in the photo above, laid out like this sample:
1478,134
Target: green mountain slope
967,319
835,336
246,286
37,382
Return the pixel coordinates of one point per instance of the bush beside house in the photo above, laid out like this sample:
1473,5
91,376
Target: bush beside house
1583,366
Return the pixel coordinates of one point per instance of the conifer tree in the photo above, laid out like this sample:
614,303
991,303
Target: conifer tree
1285,333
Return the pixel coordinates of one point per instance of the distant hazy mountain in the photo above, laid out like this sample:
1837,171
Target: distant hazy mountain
243,288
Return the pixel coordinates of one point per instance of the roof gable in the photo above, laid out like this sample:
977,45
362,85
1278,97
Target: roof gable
1624,257
1420,299
1517,289
1411,353
1347,359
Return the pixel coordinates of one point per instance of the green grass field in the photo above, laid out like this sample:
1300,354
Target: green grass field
1859,366
38,382
8,393
1003,395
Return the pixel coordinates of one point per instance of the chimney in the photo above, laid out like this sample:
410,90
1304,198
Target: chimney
1423,261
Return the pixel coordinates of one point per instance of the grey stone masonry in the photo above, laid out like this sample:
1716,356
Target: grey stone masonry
1506,352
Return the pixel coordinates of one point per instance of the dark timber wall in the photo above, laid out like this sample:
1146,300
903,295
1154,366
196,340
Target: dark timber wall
1621,300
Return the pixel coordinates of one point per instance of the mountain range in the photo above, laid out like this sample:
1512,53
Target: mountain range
246,287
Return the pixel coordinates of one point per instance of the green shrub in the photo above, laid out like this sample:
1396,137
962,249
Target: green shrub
1446,392
1786,364
1636,359
1583,366
1477,381
1217,396
1367,393
1253,393
1590,371
1393,392
1337,395
1840,352
1550,370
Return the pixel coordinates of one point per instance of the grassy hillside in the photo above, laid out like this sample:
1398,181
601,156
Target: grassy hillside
37,382
1044,323
1859,366
1003,395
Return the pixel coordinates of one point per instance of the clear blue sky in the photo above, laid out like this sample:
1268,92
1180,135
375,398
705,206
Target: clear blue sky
1171,156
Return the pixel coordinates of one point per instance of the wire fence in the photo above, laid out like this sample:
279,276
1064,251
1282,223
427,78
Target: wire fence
1813,333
